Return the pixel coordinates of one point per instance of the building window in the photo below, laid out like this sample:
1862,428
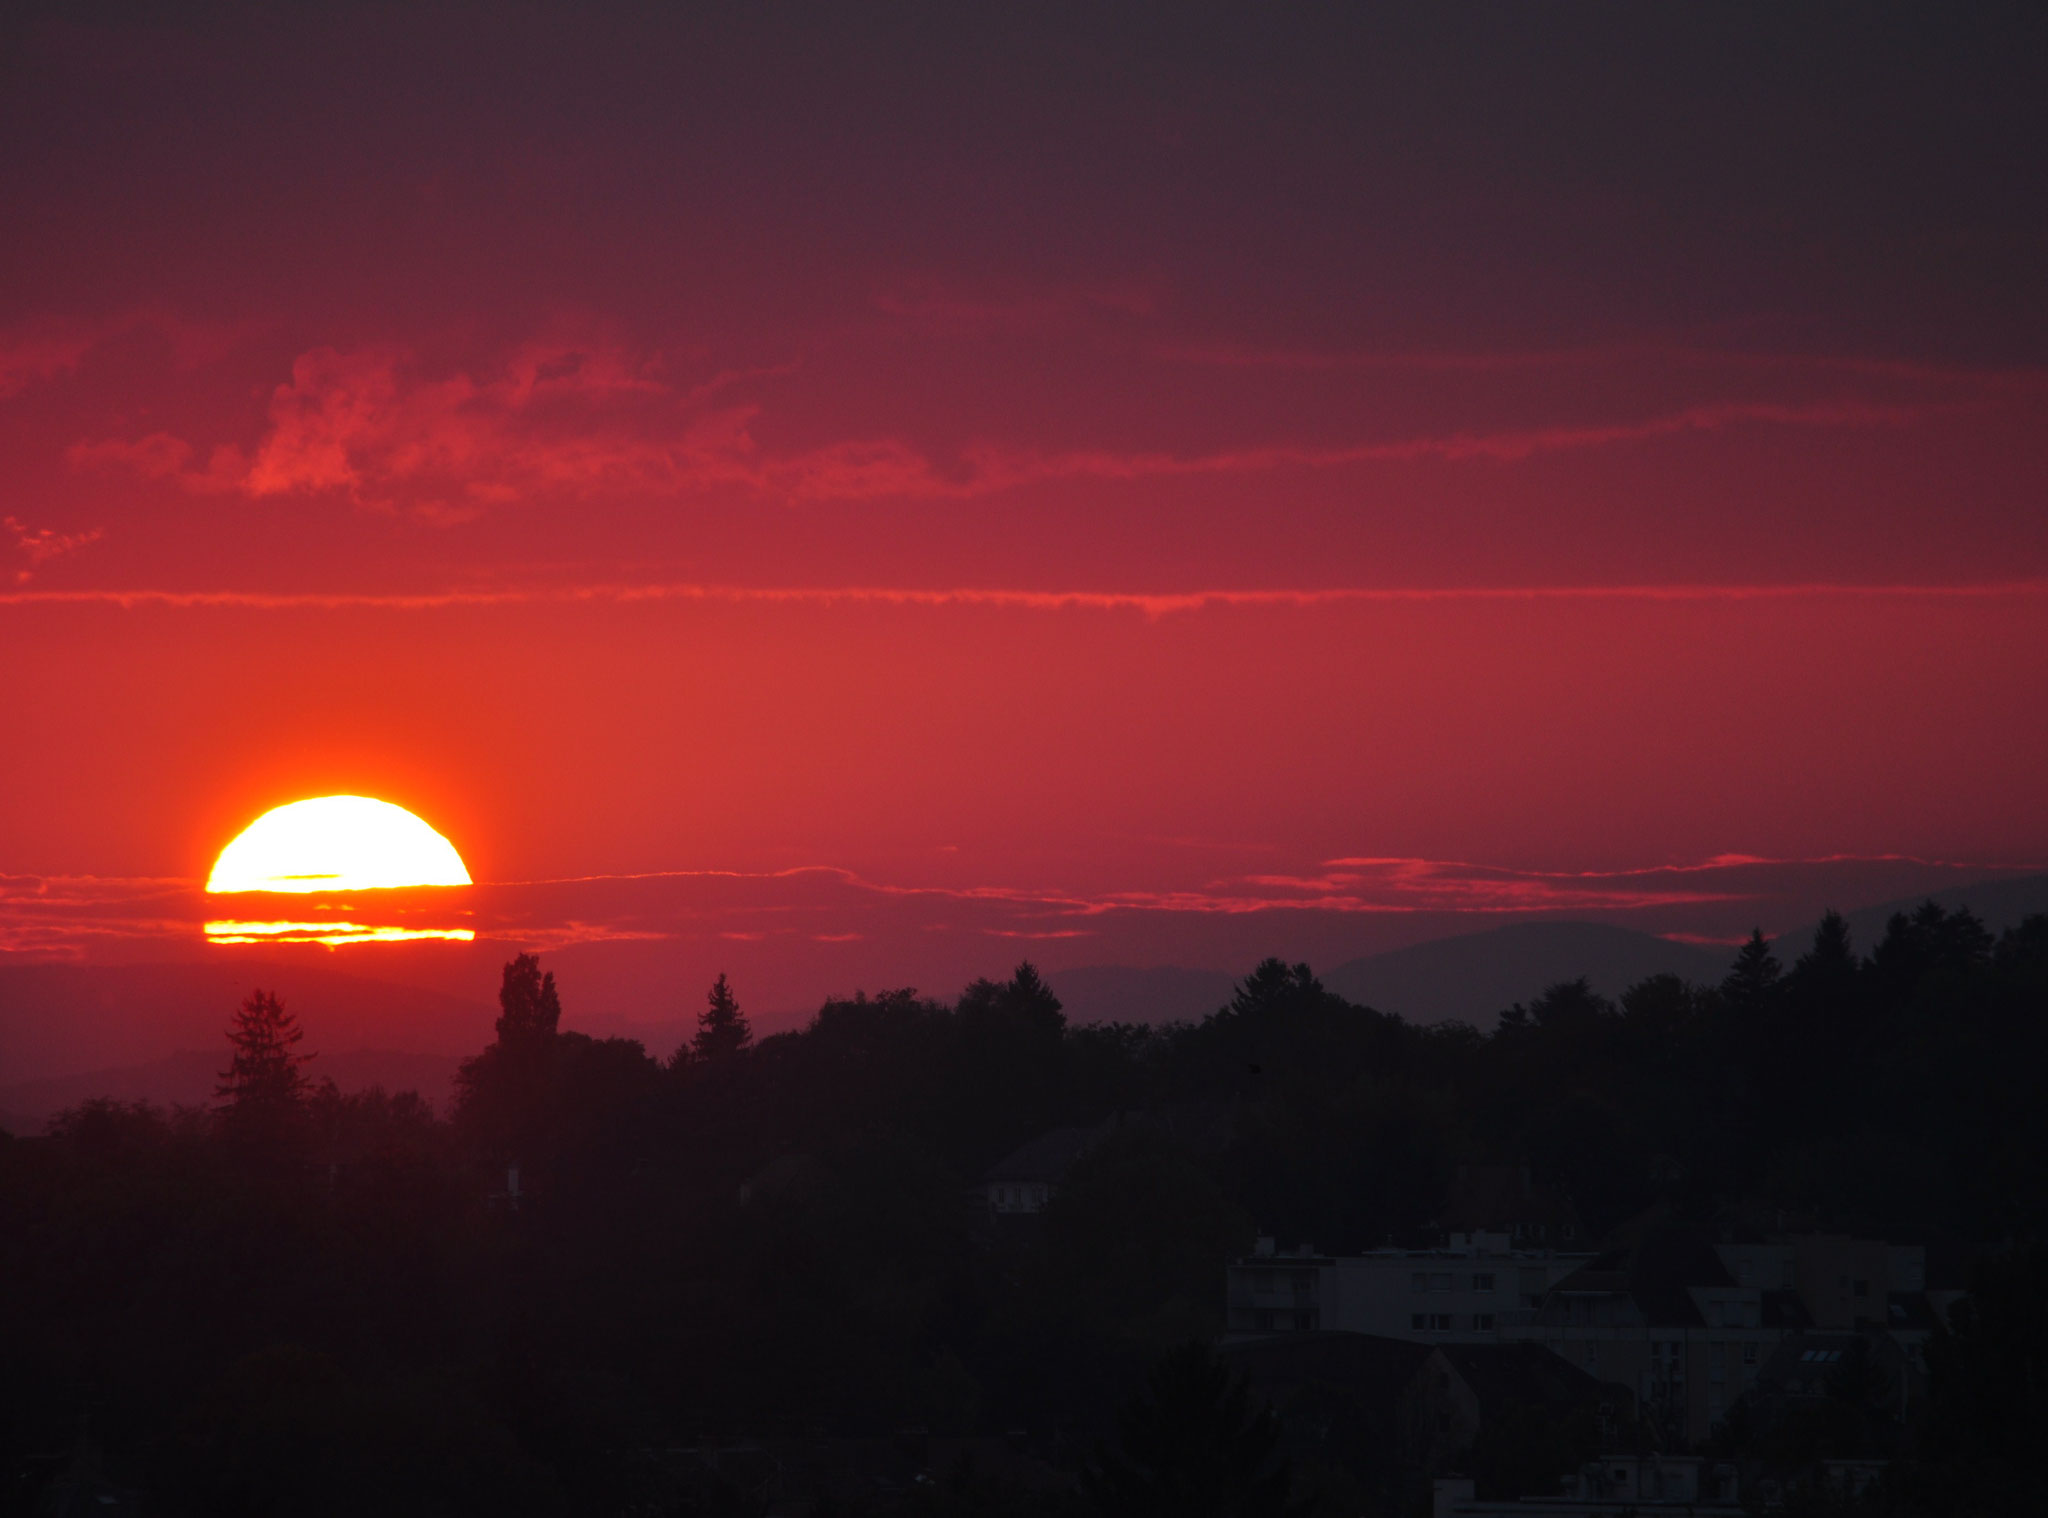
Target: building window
1592,1351
1483,1281
1483,1322
1749,1354
1304,1321
1418,1321
1440,1322
1862,1288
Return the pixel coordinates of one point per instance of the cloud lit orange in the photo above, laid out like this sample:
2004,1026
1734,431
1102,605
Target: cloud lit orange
336,843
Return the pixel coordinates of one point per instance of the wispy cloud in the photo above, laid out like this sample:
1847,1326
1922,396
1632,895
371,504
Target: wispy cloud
50,347
1608,355
375,427
39,545
76,916
1152,604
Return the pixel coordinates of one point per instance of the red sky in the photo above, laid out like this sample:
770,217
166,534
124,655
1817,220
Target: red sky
926,488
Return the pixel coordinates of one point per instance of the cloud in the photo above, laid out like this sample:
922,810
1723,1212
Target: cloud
50,347
43,544
57,917
41,352
1149,604
1612,355
376,427
371,426
995,469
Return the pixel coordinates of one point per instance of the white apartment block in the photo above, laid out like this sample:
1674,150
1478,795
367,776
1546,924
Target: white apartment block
1476,1289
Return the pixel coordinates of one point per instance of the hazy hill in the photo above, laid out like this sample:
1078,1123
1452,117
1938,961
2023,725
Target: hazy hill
1472,976
58,1020
2000,903
1475,976
1121,994
188,1079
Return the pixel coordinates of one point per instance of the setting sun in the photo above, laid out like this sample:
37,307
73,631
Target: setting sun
336,843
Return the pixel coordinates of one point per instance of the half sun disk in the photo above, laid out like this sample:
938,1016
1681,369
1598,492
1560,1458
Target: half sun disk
337,843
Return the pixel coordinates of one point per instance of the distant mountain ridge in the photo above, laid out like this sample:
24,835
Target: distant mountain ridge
60,1019
1125,994
1471,977
2001,904
68,1032
1474,977
188,1079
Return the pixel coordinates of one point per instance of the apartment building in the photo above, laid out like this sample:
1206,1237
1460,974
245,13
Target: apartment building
1472,1290
1690,1325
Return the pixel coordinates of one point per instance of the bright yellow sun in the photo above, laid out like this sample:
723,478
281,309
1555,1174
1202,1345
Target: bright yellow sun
336,843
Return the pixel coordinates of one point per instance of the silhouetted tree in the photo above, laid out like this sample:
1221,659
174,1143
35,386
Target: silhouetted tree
529,1011
1753,983
722,1029
1193,1445
263,1088
1832,959
1275,987
504,1094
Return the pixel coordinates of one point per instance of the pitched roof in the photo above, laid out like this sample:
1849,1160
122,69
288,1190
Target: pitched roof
1783,1309
1507,1376
1378,1369
1046,1158
1656,1272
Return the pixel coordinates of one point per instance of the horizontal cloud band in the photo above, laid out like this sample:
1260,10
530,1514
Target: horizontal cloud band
1148,603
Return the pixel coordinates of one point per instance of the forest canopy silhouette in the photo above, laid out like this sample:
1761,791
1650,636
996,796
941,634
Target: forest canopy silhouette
305,1300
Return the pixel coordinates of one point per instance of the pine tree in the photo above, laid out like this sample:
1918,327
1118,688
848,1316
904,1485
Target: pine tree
1031,999
1752,985
1832,959
722,1028
263,1084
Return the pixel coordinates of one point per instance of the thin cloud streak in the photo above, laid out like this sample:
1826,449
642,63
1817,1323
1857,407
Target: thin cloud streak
62,917
1148,603
1311,360
370,426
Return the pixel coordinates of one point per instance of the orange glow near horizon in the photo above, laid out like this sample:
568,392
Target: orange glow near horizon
328,933
336,843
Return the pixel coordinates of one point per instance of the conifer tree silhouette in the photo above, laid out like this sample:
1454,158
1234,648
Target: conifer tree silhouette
1753,983
263,1085
722,1028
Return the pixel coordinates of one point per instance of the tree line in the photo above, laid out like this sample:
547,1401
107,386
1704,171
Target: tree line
305,1300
